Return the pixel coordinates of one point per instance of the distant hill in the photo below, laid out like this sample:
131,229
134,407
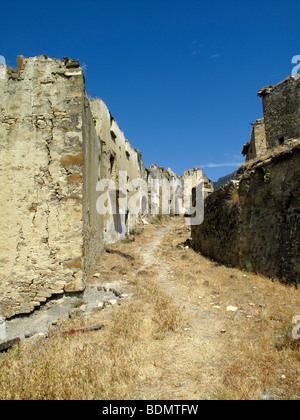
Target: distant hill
225,179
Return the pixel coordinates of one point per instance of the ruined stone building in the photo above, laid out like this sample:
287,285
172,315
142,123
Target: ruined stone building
281,122
56,146
258,143
254,223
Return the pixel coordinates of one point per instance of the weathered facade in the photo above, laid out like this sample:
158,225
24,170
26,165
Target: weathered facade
195,174
168,203
258,143
281,122
281,107
41,131
57,146
179,189
117,155
255,223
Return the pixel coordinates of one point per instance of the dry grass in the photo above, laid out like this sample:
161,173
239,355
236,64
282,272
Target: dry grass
259,355
175,339
234,199
157,220
99,365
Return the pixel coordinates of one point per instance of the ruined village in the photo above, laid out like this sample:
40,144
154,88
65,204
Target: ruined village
74,279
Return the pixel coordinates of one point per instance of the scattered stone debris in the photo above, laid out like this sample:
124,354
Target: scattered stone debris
9,344
232,309
53,313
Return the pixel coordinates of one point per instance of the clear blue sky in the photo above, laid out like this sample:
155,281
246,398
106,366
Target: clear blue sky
179,76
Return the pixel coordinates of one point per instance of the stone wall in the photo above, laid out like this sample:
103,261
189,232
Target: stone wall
281,106
41,182
255,224
281,123
57,147
197,174
117,155
93,224
164,203
176,199
258,143
217,236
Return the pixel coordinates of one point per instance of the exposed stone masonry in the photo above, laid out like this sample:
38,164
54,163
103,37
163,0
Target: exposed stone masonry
41,182
258,143
281,107
255,223
56,145
281,122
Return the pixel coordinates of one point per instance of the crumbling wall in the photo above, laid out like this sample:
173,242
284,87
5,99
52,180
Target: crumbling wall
165,191
256,225
258,143
196,175
281,106
56,147
281,123
93,224
41,182
179,190
117,156
217,236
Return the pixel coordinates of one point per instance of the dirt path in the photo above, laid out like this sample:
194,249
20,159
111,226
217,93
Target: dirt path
226,345
180,358
174,326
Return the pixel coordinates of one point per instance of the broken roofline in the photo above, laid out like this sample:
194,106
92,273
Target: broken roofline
114,200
